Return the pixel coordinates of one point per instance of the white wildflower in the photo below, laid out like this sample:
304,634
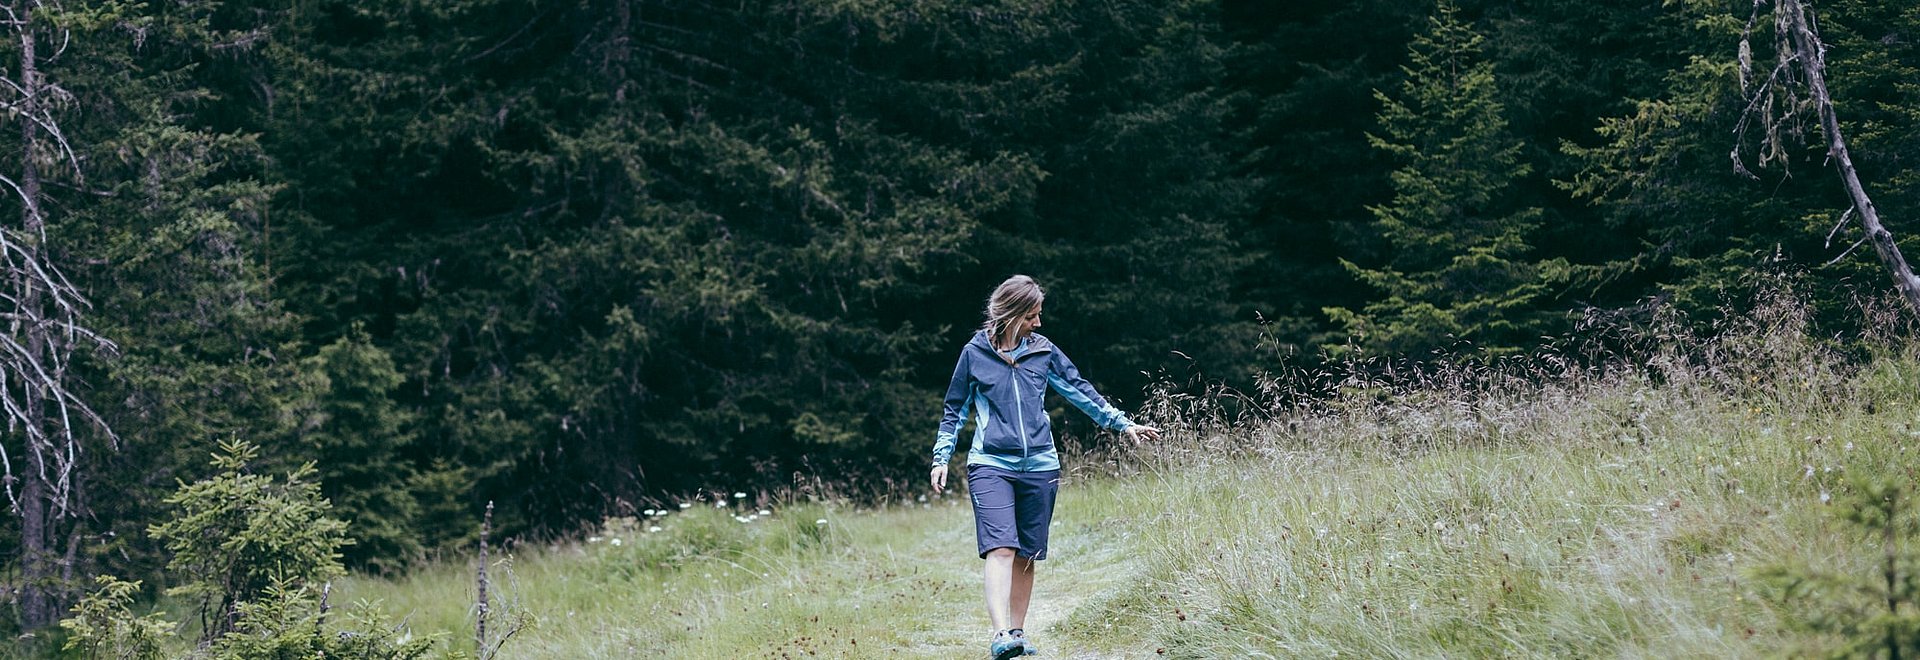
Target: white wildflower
821,521
615,541
686,505
593,539
653,529
739,496
765,512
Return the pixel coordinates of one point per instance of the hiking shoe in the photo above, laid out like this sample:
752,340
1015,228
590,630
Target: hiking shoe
1027,644
1005,646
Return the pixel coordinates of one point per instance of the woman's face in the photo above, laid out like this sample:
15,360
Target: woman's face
1025,325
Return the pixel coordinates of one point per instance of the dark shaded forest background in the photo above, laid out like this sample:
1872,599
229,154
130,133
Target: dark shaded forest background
577,257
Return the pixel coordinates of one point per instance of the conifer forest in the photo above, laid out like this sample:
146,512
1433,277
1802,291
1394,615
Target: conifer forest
578,258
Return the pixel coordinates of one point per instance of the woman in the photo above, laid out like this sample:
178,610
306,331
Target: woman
1012,470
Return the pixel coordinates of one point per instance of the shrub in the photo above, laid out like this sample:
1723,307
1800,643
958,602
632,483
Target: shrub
104,627
239,534
1869,612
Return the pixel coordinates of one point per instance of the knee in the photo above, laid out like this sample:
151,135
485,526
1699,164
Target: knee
1002,554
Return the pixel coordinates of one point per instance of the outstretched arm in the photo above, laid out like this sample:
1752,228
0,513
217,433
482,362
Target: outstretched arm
1065,379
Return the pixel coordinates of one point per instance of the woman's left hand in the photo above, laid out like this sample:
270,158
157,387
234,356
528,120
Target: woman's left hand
1139,432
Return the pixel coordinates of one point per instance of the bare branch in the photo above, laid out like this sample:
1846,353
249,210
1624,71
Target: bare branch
1843,255
46,124
1836,228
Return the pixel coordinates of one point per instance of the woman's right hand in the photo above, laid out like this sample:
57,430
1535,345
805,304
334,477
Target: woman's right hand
939,478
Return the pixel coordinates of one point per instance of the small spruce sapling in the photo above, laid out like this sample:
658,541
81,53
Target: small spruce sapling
1872,613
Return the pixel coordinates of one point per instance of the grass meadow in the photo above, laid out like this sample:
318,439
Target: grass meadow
1533,507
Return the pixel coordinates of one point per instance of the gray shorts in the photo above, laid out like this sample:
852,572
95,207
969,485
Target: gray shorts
1012,509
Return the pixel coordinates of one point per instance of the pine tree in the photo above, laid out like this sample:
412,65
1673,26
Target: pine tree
1458,266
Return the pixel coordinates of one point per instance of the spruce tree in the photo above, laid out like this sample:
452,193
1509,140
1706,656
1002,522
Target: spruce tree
1457,263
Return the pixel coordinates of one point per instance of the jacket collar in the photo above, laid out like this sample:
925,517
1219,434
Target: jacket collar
1036,344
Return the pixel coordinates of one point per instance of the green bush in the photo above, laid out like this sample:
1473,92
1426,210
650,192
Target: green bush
288,621
1868,611
237,535
104,627
251,549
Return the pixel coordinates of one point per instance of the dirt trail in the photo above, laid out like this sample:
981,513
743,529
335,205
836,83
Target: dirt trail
1087,566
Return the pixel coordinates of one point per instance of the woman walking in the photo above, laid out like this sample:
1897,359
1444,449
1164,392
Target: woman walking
1013,471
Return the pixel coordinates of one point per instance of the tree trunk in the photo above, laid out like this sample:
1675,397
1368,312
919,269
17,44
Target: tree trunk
1813,57
38,602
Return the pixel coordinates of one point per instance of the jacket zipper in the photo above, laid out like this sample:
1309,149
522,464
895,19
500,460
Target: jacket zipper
1019,409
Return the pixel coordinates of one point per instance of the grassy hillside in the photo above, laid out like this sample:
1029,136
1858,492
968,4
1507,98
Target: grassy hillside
1527,509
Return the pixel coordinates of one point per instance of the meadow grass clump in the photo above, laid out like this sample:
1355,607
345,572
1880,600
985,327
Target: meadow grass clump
1542,507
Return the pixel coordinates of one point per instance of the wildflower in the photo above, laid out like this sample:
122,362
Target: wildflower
821,521
1849,446
648,512
765,512
615,541
720,503
739,496
686,505
653,529
1825,497
593,539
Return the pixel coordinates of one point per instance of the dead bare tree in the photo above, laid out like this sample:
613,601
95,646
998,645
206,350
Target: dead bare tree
1798,82
39,454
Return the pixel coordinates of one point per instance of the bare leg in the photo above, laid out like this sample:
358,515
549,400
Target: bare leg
999,577
1022,590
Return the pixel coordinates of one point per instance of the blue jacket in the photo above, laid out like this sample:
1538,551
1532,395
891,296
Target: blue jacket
1004,397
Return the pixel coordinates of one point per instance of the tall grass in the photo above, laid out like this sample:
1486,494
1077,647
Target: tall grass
1543,507
1614,501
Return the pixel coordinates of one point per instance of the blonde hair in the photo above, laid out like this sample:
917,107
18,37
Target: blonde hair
1011,300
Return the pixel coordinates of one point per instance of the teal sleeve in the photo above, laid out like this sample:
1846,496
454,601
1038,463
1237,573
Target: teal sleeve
958,399
1065,379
